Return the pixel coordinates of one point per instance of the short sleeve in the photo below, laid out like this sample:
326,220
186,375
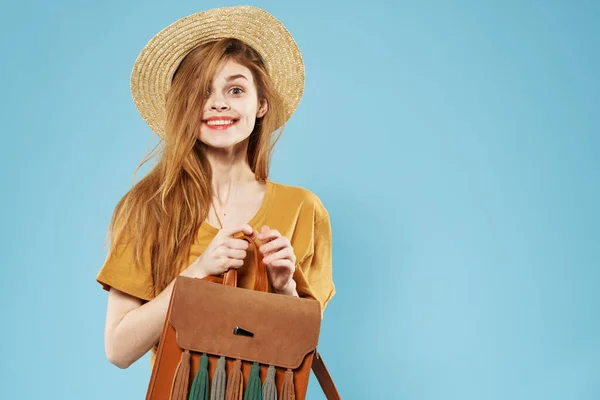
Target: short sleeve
314,276
119,271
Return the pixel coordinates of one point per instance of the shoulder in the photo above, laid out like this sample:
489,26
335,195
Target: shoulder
297,197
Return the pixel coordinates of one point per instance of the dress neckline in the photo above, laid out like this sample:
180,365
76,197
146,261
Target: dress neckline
264,206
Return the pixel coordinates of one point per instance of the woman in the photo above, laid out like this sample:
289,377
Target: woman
217,103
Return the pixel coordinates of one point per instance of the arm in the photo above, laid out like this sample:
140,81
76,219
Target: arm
132,326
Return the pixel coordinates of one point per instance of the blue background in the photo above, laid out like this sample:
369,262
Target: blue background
455,145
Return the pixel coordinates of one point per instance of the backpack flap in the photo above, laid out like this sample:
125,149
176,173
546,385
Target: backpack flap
240,323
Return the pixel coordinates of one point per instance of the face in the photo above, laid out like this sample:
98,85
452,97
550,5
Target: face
231,108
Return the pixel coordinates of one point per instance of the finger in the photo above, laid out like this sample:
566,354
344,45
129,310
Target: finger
274,244
283,263
285,253
264,230
234,263
234,243
246,229
236,254
272,234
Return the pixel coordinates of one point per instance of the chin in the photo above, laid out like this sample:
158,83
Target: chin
221,140
221,143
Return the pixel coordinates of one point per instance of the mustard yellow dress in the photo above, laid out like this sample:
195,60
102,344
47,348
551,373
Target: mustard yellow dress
295,212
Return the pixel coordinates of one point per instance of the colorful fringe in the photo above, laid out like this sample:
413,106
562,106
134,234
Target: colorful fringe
235,382
269,390
217,389
179,388
200,386
230,387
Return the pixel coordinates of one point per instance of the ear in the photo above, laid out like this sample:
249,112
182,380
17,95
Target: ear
262,109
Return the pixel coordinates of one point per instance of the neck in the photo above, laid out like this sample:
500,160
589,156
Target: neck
230,171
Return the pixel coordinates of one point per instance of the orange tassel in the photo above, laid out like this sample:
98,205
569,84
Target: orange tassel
181,380
287,389
235,382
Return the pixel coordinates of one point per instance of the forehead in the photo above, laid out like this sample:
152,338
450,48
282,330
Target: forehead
228,69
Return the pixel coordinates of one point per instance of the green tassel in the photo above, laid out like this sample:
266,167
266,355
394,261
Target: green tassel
269,390
219,381
199,389
254,389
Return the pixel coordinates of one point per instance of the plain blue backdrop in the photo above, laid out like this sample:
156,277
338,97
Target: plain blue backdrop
455,145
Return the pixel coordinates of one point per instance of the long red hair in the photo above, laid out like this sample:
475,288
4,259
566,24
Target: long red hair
162,213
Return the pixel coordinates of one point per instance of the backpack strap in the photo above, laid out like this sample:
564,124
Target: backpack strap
322,374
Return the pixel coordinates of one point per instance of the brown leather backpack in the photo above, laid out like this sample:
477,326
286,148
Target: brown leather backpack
221,339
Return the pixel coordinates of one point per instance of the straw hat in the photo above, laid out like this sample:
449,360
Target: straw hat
155,65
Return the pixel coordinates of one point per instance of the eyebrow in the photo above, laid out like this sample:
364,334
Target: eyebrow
232,77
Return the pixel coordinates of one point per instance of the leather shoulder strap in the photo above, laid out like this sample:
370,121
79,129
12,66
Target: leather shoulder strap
320,370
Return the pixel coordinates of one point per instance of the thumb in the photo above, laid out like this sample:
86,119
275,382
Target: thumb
263,231
246,229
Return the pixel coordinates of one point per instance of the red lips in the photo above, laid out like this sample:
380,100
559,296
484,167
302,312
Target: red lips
221,126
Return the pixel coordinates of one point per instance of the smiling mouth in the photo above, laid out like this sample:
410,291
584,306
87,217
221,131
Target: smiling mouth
220,124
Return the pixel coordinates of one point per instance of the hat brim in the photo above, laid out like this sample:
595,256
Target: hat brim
155,65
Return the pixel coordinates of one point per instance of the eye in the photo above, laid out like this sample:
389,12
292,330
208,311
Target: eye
238,90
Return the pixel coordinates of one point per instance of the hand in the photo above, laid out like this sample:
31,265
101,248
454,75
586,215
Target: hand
279,258
222,253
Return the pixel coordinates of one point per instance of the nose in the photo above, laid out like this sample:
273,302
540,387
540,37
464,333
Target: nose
217,102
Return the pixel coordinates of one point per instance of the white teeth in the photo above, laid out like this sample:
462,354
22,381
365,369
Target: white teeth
220,122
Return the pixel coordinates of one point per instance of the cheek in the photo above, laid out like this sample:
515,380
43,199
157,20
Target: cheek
248,122
247,117
245,109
